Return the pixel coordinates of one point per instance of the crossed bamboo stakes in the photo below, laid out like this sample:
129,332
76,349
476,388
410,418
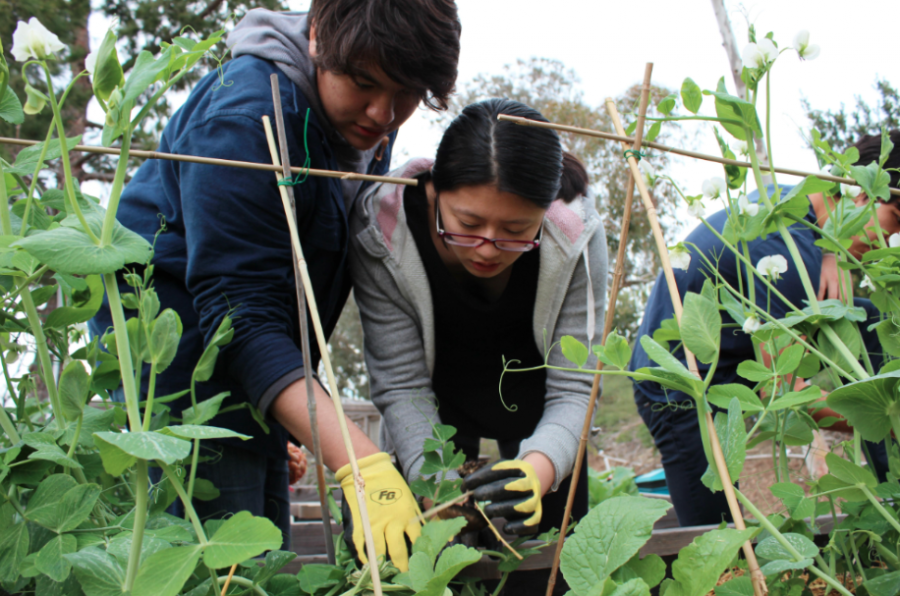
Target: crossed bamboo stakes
306,299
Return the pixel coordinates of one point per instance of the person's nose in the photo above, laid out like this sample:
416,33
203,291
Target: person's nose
381,109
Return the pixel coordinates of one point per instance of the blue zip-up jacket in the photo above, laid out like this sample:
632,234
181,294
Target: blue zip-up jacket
226,245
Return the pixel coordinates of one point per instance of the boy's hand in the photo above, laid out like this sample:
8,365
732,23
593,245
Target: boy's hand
297,463
393,511
514,490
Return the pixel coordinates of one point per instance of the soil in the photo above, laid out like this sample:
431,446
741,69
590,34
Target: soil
818,587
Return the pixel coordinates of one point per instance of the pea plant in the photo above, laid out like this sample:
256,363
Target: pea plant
818,340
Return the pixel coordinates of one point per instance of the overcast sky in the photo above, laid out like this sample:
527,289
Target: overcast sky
608,43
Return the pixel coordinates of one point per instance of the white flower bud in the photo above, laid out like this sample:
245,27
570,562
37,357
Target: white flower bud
32,40
772,266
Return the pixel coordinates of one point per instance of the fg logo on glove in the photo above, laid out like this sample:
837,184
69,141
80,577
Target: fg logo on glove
386,496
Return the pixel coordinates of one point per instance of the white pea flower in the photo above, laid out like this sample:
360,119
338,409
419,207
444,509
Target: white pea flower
647,173
894,241
679,257
741,147
806,50
752,57
696,208
32,40
768,48
751,325
867,283
713,188
851,191
745,207
772,266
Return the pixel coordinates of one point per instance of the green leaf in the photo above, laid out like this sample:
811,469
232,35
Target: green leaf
193,431
651,569
574,351
435,536
701,327
98,572
868,404
772,549
206,365
691,95
607,538
44,504
634,587
884,585
241,537
667,104
796,398
70,250
50,560
145,72
735,109
47,449
315,576
74,384
283,584
721,395
754,371
616,352
27,159
452,561
145,445
661,356
108,73
889,336
14,543
11,108
76,506
789,359
275,560
829,483
874,181
733,437
84,311
739,586
849,472
164,338
782,565
699,564
165,572
653,132
205,410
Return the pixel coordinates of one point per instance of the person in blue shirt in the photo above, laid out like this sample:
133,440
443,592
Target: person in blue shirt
669,414
356,69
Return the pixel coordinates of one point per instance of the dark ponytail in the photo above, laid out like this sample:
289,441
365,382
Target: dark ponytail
574,181
478,149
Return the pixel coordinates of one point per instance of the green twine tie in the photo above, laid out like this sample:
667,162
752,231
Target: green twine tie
295,180
634,153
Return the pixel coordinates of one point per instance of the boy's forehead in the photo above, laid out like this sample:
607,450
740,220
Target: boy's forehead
373,72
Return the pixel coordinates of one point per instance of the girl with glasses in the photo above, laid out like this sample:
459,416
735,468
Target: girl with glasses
492,258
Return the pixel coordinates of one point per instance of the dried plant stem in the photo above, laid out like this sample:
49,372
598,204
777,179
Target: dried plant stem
623,138
618,276
332,383
759,580
228,579
496,533
435,510
249,165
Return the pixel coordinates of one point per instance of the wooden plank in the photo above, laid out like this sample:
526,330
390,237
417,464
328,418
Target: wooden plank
307,537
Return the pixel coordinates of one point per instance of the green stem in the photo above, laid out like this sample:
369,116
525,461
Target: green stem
195,455
34,320
8,426
895,425
704,118
5,221
67,166
765,523
857,447
879,507
855,550
188,506
29,198
500,585
124,349
769,130
75,436
242,582
151,389
141,497
889,557
844,350
109,222
13,499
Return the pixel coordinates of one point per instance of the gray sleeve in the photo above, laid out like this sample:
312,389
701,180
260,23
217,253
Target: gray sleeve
559,429
395,357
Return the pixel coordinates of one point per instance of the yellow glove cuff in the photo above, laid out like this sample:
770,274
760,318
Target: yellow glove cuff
374,462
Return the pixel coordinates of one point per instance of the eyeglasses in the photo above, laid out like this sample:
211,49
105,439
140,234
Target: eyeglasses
472,241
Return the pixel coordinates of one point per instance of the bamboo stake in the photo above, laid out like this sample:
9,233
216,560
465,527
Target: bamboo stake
759,580
304,330
623,138
497,534
335,395
228,579
607,328
249,165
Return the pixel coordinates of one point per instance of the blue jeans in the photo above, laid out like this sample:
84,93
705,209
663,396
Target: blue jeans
246,482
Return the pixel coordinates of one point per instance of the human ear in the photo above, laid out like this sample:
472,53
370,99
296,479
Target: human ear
313,50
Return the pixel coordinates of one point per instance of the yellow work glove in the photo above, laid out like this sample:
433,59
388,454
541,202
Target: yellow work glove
514,491
393,511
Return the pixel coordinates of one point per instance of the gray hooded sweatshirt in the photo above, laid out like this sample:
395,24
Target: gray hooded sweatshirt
394,297
282,38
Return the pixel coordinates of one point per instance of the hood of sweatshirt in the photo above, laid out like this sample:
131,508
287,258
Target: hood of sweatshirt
282,38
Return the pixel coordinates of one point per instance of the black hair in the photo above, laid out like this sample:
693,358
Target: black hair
869,147
415,42
574,182
479,149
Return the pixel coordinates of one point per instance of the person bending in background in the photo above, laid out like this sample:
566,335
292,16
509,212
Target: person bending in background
670,415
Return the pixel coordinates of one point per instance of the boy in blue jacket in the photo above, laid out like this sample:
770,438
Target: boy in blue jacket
359,68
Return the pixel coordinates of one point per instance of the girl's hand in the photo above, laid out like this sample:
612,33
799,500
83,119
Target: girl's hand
297,463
